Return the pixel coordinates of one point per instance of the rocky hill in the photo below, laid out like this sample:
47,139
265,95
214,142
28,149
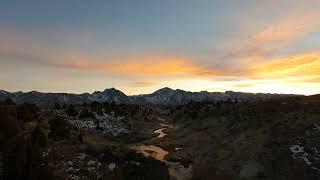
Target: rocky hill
164,96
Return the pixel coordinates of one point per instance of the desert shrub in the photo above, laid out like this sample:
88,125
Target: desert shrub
86,113
95,104
99,111
149,168
60,129
71,110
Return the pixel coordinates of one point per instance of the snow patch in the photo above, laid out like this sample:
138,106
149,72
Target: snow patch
311,159
105,124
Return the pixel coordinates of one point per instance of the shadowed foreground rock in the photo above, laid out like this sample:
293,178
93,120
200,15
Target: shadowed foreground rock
19,150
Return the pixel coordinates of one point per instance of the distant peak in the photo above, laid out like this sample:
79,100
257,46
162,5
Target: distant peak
180,90
34,92
114,91
110,89
164,90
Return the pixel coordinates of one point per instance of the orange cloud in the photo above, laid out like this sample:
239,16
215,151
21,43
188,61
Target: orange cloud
264,38
288,29
146,83
243,85
305,66
144,65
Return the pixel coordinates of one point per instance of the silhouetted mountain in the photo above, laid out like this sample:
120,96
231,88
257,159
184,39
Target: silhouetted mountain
109,95
164,96
44,98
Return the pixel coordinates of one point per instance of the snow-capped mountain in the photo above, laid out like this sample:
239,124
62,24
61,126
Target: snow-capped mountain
164,96
109,95
169,96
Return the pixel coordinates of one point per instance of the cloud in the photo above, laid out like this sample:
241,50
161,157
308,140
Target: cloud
150,65
287,29
266,32
244,60
28,52
304,67
146,83
243,85
33,47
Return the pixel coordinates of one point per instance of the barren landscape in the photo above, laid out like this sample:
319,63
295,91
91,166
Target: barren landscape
273,138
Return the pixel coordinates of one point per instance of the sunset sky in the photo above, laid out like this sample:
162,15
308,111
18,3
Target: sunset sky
139,46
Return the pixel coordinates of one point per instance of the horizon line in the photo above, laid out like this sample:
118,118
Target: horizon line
28,91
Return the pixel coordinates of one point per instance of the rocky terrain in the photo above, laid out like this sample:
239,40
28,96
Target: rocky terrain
263,138
76,142
271,139
164,96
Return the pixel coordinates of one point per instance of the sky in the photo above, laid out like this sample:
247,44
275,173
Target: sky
77,46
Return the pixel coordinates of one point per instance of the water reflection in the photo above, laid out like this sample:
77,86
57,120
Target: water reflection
152,151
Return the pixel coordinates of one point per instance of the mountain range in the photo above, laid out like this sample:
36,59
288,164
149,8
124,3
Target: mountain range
164,96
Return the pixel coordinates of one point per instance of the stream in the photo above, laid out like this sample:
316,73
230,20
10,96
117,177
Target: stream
176,169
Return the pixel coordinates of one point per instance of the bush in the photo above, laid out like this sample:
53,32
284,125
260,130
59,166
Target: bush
95,104
60,129
71,111
99,111
85,113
